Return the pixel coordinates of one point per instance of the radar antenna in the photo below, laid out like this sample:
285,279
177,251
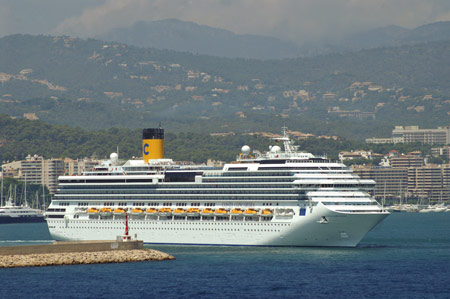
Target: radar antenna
289,146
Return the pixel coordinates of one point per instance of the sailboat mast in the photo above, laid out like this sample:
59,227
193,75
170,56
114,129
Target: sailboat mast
43,197
25,192
1,193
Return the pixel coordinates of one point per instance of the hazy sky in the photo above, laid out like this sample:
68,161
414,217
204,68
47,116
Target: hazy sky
297,20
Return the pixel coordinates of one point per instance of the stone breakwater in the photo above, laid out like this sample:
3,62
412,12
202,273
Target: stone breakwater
77,258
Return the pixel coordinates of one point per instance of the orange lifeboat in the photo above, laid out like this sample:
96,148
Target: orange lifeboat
119,211
250,212
93,211
193,212
236,211
221,212
179,212
207,212
165,212
151,211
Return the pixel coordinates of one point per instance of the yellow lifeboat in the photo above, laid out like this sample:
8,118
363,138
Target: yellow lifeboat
251,212
179,212
119,211
106,211
207,212
221,212
236,211
192,212
165,212
266,212
93,211
151,211
137,212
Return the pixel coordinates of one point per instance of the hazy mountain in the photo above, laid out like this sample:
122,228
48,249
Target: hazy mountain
392,36
190,37
184,36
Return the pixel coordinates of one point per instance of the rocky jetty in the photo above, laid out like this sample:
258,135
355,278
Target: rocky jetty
76,258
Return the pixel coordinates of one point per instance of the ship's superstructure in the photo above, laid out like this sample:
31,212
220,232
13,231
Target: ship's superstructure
279,198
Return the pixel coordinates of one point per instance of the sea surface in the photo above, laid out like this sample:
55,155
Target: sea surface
406,256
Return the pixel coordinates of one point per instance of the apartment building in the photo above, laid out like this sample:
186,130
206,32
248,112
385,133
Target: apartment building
409,134
406,161
441,151
390,182
430,182
37,170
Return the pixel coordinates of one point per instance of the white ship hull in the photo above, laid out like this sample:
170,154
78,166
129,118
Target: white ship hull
340,229
280,198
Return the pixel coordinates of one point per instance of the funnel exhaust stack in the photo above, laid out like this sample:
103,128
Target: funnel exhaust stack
152,144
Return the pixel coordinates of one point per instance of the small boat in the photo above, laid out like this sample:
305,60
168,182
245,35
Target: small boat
137,212
106,212
119,211
251,212
193,212
93,211
221,212
433,209
151,211
266,212
284,212
165,212
236,211
207,212
81,211
179,212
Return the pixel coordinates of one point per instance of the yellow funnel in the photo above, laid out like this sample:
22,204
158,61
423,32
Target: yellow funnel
153,144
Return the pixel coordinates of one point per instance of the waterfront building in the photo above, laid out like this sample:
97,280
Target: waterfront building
343,156
37,170
410,134
430,182
406,161
391,182
379,140
441,151
78,166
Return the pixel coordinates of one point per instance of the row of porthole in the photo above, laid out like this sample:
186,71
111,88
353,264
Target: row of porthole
196,229
205,223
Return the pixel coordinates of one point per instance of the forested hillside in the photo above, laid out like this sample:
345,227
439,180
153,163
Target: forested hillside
99,85
21,137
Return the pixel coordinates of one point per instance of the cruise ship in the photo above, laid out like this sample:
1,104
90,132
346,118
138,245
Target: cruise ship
283,197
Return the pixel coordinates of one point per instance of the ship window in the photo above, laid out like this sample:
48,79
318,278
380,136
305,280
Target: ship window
302,212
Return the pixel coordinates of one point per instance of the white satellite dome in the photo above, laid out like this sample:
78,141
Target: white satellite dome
114,157
275,149
246,150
